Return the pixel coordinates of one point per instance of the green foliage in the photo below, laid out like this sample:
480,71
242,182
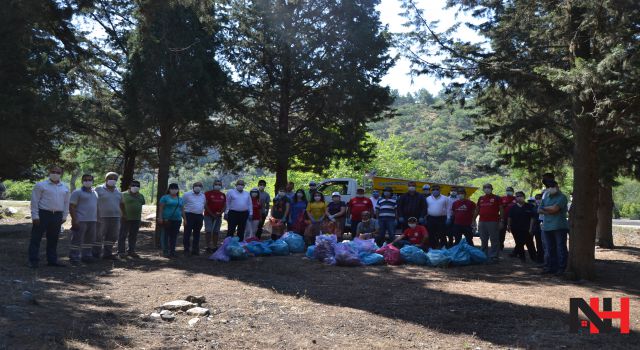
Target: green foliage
18,190
626,197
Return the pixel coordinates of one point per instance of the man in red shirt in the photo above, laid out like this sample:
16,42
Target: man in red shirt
506,202
414,234
216,202
356,206
463,211
490,211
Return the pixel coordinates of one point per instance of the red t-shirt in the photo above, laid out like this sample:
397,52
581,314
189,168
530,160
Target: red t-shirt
507,202
463,210
489,205
216,202
358,205
256,208
415,235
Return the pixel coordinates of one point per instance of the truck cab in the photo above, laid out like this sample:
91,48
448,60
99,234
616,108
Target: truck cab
345,186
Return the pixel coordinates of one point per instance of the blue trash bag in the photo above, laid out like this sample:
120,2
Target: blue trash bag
295,242
365,245
325,245
413,255
235,250
279,247
310,251
371,258
345,255
477,256
258,248
221,253
459,255
438,257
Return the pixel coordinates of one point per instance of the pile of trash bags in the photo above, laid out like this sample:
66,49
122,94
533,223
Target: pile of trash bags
233,249
366,252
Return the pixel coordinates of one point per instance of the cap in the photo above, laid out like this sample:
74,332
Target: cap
334,194
412,219
531,199
426,187
360,189
110,174
312,183
509,188
255,189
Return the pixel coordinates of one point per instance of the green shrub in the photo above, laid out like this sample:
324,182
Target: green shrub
18,190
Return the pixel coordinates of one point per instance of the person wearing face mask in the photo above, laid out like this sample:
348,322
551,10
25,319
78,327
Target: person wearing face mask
411,204
536,231
554,207
437,213
387,214
83,208
316,213
289,191
238,210
414,234
313,188
171,206
297,216
506,202
215,207
49,209
109,217
463,210
355,207
336,213
490,211
520,222
194,203
265,202
254,220
279,213
367,228
132,202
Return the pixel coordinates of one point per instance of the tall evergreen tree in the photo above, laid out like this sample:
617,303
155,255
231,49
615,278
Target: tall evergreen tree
556,79
308,75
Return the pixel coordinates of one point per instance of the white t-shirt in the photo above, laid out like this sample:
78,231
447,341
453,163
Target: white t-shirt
194,202
437,206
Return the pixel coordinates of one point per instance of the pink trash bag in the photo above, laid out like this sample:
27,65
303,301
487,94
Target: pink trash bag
391,254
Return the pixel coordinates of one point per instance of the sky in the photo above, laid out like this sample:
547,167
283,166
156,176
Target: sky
398,77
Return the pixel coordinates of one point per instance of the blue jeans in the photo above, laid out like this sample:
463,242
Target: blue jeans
555,250
386,226
169,236
192,225
50,223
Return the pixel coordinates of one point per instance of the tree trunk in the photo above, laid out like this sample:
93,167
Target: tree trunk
74,178
604,232
283,142
128,169
164,163
585,194
281,174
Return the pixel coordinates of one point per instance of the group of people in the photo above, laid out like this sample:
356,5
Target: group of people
102,216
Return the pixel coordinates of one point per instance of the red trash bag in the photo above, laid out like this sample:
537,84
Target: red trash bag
391,254
299,225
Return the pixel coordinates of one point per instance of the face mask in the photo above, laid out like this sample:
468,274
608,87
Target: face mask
217,187
299,195
453,194
365,220
487,190
173,191
461,196
412,188
254,195
359,195
240,188
197,189
312,188
553,190
436,193
509,193
261,188
317,198
87,184
412,225
520,199
111,183
336,199
54,177
376,195
281,194
387,194
135,189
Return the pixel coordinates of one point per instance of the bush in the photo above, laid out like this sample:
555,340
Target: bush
18,190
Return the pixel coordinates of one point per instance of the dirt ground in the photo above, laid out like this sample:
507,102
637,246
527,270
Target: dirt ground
294,303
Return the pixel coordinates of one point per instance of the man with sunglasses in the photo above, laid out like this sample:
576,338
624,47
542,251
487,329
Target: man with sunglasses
49,209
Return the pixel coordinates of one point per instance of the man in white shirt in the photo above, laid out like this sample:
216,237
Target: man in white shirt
239,208
49,209
194,202
109,217
375,197
437,212
83,207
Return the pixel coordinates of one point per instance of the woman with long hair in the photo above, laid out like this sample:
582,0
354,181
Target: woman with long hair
170,208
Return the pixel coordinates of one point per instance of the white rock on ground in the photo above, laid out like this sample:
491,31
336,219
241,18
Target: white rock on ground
178,305
198,311
193,321
167,315
155,315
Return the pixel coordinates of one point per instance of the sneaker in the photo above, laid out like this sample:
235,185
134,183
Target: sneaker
56,264
134,255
